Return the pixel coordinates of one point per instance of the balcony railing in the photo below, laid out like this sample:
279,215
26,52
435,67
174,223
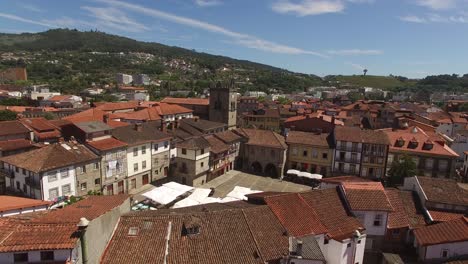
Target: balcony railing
349,149
348,160
7,174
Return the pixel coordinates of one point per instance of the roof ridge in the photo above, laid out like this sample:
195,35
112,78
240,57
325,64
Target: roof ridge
251,234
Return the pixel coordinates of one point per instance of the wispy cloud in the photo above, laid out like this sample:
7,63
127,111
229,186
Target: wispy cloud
308,7
30,7
243,39
354,52
461,18
356,66
205,3
113,18
437,4
26,20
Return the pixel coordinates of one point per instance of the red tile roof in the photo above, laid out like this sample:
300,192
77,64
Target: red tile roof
296,215
263,138
355,134
171,109
420,136
439,216
8,203
398,218
107,144
15,144
39,124
57,98
443,233
186,101
110,107
342,179
306,138
446,191
367,196
94,114
228,136
146,114
217,146
12,128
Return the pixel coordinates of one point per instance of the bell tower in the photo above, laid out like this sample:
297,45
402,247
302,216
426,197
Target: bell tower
223,104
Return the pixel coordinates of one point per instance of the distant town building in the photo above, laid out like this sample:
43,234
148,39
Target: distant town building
123,78
13,74
141,79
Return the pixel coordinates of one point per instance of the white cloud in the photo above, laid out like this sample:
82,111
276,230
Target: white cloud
413,19
204,3
308,7
351,52
238,38
462,18
356,66
437,4
113,18
26,20
32,8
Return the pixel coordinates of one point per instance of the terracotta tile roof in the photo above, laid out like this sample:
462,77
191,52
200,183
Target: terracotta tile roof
94,114
12,128
201,124
413,209
107,144
51,157
420,136
39,124
312,116
443,233
8,203
342,179
186,101
332,213
109,107
228,136
15,144
296,215
194,143
398,218
146,114
264,138
24,236
148,133
306,138
445,191
90,208
57,98
367,196
355,134
217,146
164,109
225,236
439,216
274,113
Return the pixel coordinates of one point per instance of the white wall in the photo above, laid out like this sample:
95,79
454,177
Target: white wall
338,252
70,179
162,147
435,251
367,219
192,154
35,256
131,159
445,128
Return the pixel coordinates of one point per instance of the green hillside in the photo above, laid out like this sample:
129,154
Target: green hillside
383,82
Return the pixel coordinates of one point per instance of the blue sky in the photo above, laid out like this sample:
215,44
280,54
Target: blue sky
413,38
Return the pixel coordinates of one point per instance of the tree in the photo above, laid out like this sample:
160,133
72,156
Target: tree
7,115
365,72
400,169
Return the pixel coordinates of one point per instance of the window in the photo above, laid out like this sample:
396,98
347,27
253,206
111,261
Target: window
83,186
133,184
17,169
272,153
135,166
63,173
47,255
166,144
97,181
184,151
24,171
325,155
143,150
444,253
143,164
202,152
314,153
326,241
348,245
396,232
135,152
378,220
156,146
429,163
201,164
304,153
443,164
66,189
81,169
20,257
96,166
53,193
359,241
52,176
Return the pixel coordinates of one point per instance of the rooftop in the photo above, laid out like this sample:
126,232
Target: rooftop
186,101
107,144
306,138
12,128
355,134
217,146
445,191
367,196
93,126
263,138
148,132
442,233
51,157
8,203
194,143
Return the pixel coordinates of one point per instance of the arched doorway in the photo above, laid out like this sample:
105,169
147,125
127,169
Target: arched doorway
271,171
256,168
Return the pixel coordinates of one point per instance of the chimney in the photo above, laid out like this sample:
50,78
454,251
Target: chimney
106,118
138,127
299,248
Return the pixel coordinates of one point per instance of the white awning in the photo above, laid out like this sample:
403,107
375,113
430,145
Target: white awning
167,193
178,186
296,172
240,193
199,196
310,175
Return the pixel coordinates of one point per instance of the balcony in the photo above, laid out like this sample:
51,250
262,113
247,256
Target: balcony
348,149
347,160
7,174
33,183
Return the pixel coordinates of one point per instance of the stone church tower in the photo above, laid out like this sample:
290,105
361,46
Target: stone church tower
223,105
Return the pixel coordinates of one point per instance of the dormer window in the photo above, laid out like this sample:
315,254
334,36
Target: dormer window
428,145
133,231
400,142
413,144
191,226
